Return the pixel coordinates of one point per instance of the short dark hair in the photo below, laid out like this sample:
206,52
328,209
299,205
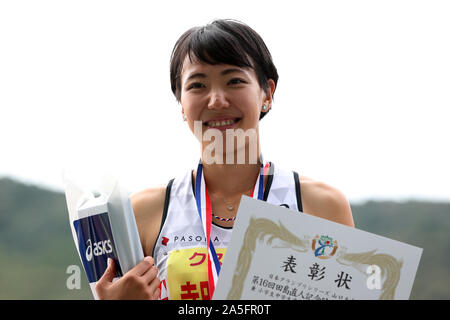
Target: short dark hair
224,41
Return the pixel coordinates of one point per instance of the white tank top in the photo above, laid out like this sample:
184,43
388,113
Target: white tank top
180,249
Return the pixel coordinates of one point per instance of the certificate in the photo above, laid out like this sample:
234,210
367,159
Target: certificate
279,254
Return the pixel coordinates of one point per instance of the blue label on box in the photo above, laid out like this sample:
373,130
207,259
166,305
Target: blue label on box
96,245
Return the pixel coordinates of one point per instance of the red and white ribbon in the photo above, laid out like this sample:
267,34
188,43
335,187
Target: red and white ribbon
205,213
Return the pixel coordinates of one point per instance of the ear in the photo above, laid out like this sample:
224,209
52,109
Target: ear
268,98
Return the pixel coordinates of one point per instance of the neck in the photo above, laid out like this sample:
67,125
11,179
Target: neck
227,180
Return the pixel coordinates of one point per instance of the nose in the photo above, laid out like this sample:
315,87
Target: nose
217,99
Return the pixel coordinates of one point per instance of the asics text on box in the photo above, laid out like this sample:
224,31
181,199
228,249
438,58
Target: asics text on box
96,245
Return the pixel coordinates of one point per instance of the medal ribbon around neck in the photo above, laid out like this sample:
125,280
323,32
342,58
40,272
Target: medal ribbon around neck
205,213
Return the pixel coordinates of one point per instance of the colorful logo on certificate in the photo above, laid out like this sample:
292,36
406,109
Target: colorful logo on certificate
324,247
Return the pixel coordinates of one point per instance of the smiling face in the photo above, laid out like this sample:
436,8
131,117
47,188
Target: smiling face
222,96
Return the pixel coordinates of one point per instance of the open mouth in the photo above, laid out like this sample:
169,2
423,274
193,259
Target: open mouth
222,123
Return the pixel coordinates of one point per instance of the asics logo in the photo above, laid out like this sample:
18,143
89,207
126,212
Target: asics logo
97,249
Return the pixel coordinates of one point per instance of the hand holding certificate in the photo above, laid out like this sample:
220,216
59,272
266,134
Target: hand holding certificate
277,253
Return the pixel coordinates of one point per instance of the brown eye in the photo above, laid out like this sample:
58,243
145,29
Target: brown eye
236,81
195,85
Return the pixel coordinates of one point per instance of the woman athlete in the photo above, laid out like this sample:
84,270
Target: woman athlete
223,76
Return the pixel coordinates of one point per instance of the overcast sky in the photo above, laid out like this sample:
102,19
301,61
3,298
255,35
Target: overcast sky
362,102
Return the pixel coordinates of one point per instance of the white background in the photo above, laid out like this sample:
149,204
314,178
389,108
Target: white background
362,101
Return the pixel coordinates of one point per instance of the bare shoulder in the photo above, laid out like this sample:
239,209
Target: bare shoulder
322,200
148,207
146,199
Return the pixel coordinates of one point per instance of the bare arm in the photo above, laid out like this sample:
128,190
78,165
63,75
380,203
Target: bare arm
148,206
324,201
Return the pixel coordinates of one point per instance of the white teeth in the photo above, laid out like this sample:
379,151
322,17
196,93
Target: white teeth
220,123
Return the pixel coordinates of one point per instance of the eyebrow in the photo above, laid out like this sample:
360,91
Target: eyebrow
223,73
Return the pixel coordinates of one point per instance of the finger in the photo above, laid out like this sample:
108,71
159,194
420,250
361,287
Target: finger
153,286
110,272
150,274
143,266
157,294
